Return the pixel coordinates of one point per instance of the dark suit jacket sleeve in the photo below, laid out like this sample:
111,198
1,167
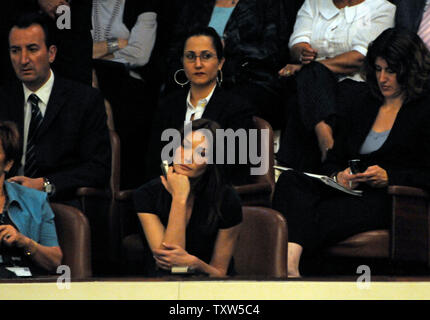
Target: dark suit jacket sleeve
416,173
337,157
94,151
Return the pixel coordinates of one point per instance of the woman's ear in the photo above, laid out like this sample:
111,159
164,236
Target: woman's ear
8,166
221,63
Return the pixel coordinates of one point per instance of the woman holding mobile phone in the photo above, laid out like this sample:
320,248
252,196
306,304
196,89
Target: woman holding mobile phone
190,217
387,129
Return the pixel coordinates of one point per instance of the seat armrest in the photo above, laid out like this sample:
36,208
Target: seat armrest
91,192
128,221
263,187
124,195
74,236
410,228
407,191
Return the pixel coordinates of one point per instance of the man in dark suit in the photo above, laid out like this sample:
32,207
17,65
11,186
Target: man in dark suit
62,123
74,44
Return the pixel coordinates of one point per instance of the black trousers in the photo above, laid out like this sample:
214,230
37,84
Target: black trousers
318,96
133,105
319,216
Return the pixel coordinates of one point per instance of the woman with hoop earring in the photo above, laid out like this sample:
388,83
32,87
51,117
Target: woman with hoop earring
199,94
251,34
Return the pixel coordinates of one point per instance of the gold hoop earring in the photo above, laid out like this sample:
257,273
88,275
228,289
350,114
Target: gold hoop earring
182,84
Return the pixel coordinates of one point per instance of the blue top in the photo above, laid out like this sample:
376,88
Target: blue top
374,141
220,18
31,213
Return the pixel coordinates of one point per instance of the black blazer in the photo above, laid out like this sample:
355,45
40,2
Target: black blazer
73,148
409,14
404,155
224,107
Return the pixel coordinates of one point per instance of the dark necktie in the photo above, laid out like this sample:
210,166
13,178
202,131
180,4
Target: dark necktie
30,169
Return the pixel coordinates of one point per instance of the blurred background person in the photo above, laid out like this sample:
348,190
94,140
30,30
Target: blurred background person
328,47
414,16
124,35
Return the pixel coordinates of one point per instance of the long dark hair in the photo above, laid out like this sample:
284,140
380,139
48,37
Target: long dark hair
212,183
407,55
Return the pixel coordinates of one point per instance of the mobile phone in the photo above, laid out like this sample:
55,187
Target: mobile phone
164,167
355,166
181,270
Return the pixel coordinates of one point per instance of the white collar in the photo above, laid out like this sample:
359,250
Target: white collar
202,102
328,9
44,92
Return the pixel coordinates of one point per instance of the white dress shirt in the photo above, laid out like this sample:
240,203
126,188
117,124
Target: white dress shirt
43,93
197,110
141,38
333,31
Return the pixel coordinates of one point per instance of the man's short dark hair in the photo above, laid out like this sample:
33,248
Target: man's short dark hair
28,19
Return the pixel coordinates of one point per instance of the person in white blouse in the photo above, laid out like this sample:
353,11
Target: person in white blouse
335,33
114,40
124,35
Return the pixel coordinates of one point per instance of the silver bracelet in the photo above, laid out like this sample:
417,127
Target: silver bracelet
112,45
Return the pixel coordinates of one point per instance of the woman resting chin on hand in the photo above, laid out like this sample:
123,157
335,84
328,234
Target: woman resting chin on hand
191,217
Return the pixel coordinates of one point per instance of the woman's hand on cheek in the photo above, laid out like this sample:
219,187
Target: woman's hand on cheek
177,185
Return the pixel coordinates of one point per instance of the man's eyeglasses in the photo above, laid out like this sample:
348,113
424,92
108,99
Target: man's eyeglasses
204,56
